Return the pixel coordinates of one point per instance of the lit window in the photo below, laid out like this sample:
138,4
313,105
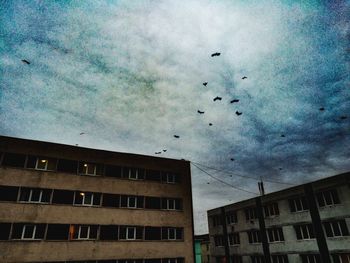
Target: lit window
328,198
304,231
336,228
275,234
90,169
34,195
47,164
87,199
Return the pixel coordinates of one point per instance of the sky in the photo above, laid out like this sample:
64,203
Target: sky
130,74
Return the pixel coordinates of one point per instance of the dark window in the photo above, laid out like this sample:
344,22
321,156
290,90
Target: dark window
341,258
28,231
234,239
257,259
216,220
311,258
14,160
84,232
131,232
219,241
152,261
305,231
17,231
57,232
231,217
131,201
235,259
251,213
271,210
336,228
8,193
275,234
62,197
34,195
327,198
153,233
133,173
110,200
5,231
152,175
254,236
298,204
113,171
67,166
31,161
152,202
109,232
279,258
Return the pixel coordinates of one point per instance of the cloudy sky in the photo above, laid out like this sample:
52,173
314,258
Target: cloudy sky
129,74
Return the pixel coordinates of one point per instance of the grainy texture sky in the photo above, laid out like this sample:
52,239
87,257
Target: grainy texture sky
129,74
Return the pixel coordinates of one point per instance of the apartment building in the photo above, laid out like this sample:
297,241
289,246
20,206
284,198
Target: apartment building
308,223
61,203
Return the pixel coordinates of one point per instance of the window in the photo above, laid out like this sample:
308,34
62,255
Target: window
172,233
234,239
304,231
271,210
113,171
87,199
254,236
83,232
153,233
329,197
28,231
336,228
341,258
170,177
35,195
111,200
90,169
43,163
109,232
298,204
275,234
257,259
152,202
152,260
311,258
172,260
235,259
216,220
133,173
57,232
8,193
219,241
13,160
131,201
5,231
279,259
231,217
131,232
67,166
251,213
153,175
171,203
62,197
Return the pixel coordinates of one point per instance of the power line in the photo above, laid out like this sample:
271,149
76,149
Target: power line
243,176
221,181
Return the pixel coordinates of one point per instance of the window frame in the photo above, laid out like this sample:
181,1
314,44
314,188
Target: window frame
29,201
127,233
308,227
338,223
168,233
332,194
46,160
129,197
276,233
33,233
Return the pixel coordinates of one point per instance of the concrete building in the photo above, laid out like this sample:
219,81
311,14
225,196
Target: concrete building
307,223
61,203
202,248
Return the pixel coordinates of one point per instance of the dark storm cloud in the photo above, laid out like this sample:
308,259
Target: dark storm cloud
130,76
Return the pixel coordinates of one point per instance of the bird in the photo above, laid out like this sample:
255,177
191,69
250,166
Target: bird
282,135
177,136
200,112
216,54
217,98
205,83
25,61
321,109
164,150
157,152
210,124
233,101
280,168
232,159
82,133
238,113
343,117
208,183
244,77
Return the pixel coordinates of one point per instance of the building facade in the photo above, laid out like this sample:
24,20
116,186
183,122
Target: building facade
61,203
202,248
308,223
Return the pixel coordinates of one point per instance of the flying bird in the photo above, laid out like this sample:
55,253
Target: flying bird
216,54
232,159
217,98
343,117
238,113
157,152
177,136
233,101
321,109
282,135
210,124
280,168
82,133
205,83
200,112
244,77
25,61
164,150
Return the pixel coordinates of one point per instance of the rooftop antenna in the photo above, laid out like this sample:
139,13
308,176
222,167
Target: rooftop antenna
261,187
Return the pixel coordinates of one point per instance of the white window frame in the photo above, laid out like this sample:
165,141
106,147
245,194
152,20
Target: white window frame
332,228
86,168
298,200
234,239
172,177
30,197
340,257
172,229
40,160
23,232
128,201
88,233
168,202
311,258
272,212
331,197
255,236
84,203
308,232
251,213
232,218
275,234
127,233
136,174
172,260
280,258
